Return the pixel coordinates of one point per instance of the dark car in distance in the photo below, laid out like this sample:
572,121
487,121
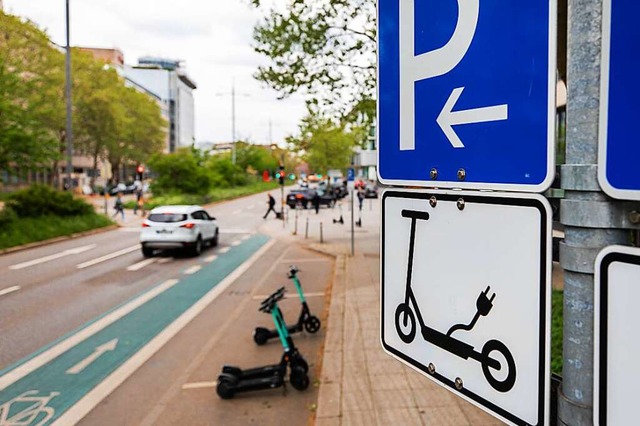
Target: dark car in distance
303,197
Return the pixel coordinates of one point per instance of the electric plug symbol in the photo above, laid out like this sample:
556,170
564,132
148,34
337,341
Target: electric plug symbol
484,303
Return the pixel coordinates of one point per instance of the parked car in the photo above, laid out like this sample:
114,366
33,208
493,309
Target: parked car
119,188
188,228
303,197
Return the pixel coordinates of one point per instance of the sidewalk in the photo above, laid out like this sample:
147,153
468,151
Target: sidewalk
360,384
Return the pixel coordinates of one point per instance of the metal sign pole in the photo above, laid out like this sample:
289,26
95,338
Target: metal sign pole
592,220
353,249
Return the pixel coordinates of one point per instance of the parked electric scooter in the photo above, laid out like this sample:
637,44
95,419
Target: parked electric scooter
406,324
234,379
306,321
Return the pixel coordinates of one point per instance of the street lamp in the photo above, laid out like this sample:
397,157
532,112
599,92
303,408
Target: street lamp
233,118
69,130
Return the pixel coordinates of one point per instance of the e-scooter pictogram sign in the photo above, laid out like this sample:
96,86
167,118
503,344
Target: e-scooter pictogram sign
466,295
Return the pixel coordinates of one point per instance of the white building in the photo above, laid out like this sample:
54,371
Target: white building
168,80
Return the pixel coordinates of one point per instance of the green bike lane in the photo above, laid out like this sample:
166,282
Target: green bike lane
62,382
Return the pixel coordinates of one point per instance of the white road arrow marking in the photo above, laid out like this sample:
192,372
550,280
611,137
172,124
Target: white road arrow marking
99,351
448,118
76,250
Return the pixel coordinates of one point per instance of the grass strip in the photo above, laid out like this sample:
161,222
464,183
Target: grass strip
556,331
31,229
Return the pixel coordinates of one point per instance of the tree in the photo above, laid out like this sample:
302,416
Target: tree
325,49
255,157
325,145
179,172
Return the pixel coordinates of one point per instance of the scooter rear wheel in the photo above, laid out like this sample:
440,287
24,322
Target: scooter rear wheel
312,324
508,382
404,319
225,389
299,379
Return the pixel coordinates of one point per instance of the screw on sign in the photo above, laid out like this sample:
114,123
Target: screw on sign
406,325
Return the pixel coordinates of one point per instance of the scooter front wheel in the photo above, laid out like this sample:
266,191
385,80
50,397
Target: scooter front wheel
405,323
299,363
507,383
312,324
299,379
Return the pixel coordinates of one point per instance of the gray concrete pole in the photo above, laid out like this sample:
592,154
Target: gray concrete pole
592,220
69,130
233,123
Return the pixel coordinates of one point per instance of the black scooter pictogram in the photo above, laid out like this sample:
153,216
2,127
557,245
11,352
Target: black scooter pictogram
405,321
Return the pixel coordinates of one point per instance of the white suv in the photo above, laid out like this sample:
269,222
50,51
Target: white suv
171,227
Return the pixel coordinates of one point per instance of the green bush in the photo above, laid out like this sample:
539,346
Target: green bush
179,172
7,216
41,200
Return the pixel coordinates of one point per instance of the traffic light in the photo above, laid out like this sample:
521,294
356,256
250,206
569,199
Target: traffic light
281,175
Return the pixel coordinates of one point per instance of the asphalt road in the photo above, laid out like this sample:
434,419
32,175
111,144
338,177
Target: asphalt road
98,332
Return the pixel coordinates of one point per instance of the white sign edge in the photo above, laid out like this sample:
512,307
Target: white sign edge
548,279
605,58
551,124
633,251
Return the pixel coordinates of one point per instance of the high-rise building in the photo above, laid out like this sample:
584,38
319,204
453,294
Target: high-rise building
168,79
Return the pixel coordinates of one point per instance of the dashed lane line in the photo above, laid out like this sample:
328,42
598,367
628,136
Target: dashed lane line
192,270
9,290
108,257
76,250
142,264
224,250
211,258
236,243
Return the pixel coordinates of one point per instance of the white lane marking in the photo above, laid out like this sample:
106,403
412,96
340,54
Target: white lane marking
192,270
199,385
235,231
97,353
75,413
60,348
142,264
211,258
9,290
236,243
76,250
165,260
245,237
108,257
235,212
289,295
224,250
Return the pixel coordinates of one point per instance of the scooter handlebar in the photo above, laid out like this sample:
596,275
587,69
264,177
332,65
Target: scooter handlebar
267,304
293,271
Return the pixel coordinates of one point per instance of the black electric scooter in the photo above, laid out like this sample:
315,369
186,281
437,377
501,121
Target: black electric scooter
234,379
406,325
306,321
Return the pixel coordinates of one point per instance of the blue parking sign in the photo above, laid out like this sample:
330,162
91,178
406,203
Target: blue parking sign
466,93
619,149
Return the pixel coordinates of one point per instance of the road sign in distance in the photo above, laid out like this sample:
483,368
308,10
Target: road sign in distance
466,295
619,149
466,94
616,343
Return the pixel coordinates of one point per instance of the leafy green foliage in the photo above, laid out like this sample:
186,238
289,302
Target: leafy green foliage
325,145
556,331
324,49
41,200
31,229
179,172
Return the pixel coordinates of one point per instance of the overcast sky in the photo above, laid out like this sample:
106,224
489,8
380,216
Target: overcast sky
213,37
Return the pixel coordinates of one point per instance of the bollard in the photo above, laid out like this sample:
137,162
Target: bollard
321,236
295,226
306,230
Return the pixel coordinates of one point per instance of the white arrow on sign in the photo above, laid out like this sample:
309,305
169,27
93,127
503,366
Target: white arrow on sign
76,250
448,118
99,351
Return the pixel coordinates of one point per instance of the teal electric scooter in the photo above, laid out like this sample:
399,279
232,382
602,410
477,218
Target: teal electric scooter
306,321
234,379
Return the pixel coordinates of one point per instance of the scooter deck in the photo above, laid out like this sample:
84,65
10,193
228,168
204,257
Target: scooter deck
266,371
258,383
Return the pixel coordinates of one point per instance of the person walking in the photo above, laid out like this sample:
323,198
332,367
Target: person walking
119,206
360,198
272,203
138,202
316,201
